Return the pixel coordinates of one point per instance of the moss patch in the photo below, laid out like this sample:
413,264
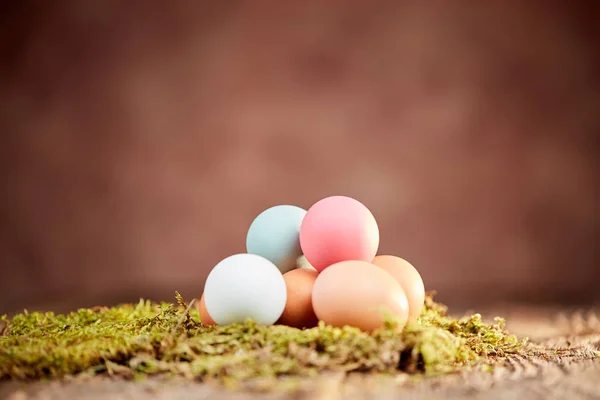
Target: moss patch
169,339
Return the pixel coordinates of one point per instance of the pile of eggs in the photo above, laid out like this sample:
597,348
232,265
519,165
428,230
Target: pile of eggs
305,266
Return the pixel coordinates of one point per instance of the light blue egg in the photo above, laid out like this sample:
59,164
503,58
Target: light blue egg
275,235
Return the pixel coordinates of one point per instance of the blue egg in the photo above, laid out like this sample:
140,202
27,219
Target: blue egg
275,235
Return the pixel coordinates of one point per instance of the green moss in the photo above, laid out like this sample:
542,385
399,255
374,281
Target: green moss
147,338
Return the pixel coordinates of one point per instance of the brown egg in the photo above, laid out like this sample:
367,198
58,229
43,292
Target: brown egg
356,293
205,317
409,278
298,311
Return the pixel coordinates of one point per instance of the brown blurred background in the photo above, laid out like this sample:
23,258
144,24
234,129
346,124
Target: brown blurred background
140,138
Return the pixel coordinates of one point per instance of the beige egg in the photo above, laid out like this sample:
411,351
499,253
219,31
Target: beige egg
358,293
409,278
205,317
302,262
298,312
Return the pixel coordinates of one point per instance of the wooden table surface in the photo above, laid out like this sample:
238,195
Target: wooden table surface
566,366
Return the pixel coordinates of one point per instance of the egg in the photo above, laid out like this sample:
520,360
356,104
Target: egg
302,262
409,278
244,286
338,228
274,235
358,293
205,317
298,312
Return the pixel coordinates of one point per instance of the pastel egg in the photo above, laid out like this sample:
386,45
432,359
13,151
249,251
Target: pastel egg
359,294
205,317
245,286
302,262
409,278
336,229
298,312
274,235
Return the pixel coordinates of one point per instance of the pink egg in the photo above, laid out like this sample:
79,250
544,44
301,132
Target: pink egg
336,229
